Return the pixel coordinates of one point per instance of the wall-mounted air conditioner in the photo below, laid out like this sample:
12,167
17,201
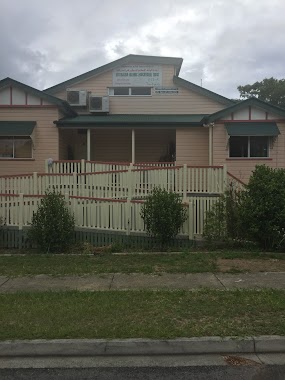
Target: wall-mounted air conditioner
98,103
76,97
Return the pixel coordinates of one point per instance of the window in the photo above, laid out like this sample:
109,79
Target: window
121,91
15,147
140,91
249,146
130,91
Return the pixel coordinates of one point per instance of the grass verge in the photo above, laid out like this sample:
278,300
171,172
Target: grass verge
187,262
144,314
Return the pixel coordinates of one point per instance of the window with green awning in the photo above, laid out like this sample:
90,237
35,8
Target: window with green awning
17,128
15,139
268,129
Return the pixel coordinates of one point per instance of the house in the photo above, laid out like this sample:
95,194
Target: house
136,109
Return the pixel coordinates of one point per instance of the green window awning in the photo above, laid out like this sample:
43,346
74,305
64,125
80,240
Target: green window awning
252,129
17,128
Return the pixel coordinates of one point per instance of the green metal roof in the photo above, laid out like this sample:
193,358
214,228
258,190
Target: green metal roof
62,104
134,58
245,103
202,91
17,128
252,129
131,120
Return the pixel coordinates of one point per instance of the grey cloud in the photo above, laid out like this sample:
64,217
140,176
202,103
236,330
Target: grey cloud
224,43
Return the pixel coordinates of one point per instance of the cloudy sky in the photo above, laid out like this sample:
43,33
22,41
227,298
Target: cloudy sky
225,43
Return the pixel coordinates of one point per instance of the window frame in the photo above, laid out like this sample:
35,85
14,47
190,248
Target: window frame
111,91
13,148
248,157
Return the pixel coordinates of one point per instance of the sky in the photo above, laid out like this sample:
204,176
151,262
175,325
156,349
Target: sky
224,43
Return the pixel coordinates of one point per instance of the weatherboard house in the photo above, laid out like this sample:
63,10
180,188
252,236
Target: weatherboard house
136,109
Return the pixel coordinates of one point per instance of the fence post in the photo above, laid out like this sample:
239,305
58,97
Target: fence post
74,185
225,177
46,166
184,183
128,216
191,220
21,209
82,165
130,182
66,197
35,184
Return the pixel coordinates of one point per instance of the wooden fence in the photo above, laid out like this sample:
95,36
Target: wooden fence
131,183
118,216
84,166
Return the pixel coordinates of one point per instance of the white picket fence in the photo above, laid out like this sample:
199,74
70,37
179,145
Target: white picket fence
132,183
84,166
121,216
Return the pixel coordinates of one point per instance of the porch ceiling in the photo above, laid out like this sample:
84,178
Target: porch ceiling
93,121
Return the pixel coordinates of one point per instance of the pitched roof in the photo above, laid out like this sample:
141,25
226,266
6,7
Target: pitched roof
132,120
248,102
62,104
134,58
201,90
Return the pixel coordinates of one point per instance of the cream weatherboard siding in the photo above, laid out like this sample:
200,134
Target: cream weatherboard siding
185,102
243,167
45,137
192,146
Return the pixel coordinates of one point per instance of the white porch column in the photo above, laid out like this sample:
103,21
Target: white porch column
210,145
88,145
133,146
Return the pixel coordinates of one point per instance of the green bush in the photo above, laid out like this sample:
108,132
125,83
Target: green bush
163,214
223,222
263,208
52,226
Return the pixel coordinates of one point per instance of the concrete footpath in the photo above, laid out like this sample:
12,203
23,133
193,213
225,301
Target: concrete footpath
135,281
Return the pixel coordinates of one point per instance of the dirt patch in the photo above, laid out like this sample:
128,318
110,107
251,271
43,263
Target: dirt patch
242,265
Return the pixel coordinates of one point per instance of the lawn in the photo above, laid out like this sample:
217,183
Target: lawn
144,314
187,262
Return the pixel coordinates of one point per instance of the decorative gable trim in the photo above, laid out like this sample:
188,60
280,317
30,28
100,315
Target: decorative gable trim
61,104
243,104
131,58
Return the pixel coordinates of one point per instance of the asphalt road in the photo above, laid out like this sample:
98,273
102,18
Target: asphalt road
153,373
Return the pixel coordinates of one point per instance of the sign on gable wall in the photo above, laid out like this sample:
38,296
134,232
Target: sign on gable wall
137,76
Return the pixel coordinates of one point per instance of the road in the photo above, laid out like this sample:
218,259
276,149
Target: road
196,367
154,373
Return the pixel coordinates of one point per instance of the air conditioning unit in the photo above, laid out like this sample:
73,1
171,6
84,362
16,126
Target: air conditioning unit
98,103
76,97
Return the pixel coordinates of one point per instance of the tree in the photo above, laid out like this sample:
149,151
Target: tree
269,90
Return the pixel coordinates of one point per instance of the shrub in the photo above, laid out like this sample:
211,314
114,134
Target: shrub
223,222
52,226
163,214
263,209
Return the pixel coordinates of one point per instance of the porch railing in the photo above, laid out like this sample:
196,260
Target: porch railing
132,183
84,166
